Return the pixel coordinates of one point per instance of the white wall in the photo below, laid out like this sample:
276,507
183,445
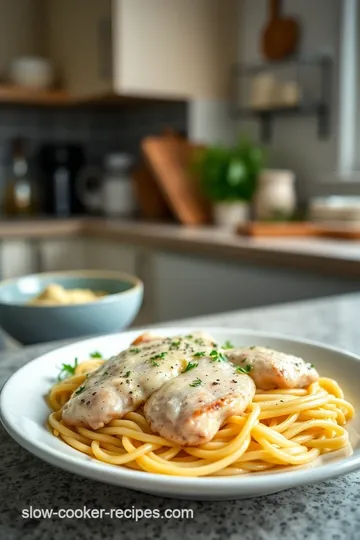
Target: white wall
209,122
295,143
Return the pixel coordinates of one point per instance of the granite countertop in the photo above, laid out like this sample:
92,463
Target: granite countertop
323,255
326,511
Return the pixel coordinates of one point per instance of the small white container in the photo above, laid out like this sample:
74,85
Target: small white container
228,215
290,94
275,194
118,194
335,208
263,91
31,72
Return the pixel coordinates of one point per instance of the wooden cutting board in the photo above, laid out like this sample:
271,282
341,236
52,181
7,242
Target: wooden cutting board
342,232
152,202
259,229
262,229
280,36
170,161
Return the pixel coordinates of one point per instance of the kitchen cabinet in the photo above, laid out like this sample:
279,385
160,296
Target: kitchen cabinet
178,49
19,30
17,258
61,254
100,255
185,286
176,285
21,257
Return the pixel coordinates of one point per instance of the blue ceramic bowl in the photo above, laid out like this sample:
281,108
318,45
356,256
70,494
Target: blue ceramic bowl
37,324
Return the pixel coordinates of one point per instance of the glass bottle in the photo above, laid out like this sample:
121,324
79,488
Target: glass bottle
19,191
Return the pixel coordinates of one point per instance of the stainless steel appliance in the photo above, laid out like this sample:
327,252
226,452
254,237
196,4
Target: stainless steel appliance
59,167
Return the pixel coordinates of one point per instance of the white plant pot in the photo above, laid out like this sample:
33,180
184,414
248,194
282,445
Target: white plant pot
228,215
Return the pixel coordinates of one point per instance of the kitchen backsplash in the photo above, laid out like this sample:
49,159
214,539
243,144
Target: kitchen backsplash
99,130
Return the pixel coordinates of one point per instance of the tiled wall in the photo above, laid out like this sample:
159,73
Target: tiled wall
100,130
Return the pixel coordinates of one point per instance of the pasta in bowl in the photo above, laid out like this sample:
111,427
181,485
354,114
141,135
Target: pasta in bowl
187,406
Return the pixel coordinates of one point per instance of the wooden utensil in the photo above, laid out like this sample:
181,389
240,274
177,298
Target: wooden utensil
281,35
169,159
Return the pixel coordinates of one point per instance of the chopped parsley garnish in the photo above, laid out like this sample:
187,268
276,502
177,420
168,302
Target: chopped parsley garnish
174,344
200,342
127,374
80,389
159,356
96,354
67,370
195,383
189,336
228,345
245,369
217,356
190,365
198,354
312,365
154,363
135,350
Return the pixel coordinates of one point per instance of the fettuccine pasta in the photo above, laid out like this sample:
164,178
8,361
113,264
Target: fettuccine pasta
280,428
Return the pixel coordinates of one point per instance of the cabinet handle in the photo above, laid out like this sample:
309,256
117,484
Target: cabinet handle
104,34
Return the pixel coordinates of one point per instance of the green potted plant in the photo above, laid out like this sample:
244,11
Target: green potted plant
228,177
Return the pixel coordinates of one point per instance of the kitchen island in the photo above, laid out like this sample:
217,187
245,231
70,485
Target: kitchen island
326,511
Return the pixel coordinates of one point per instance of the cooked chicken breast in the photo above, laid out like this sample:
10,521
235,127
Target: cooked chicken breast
126,381
190,409
271,369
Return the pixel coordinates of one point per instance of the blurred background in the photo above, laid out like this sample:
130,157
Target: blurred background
208,147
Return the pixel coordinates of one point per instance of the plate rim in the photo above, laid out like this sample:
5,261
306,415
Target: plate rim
163,484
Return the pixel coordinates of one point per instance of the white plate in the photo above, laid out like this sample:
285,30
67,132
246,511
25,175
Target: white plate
24,412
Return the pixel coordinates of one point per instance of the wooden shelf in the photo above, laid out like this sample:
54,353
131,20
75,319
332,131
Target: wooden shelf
10,94
26,96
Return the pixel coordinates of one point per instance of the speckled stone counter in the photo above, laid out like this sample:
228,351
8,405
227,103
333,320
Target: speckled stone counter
326,511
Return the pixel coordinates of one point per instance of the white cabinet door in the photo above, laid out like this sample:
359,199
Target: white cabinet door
107,255
104,255
62,254
146,48
18,258
186,286
78,40
174,48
